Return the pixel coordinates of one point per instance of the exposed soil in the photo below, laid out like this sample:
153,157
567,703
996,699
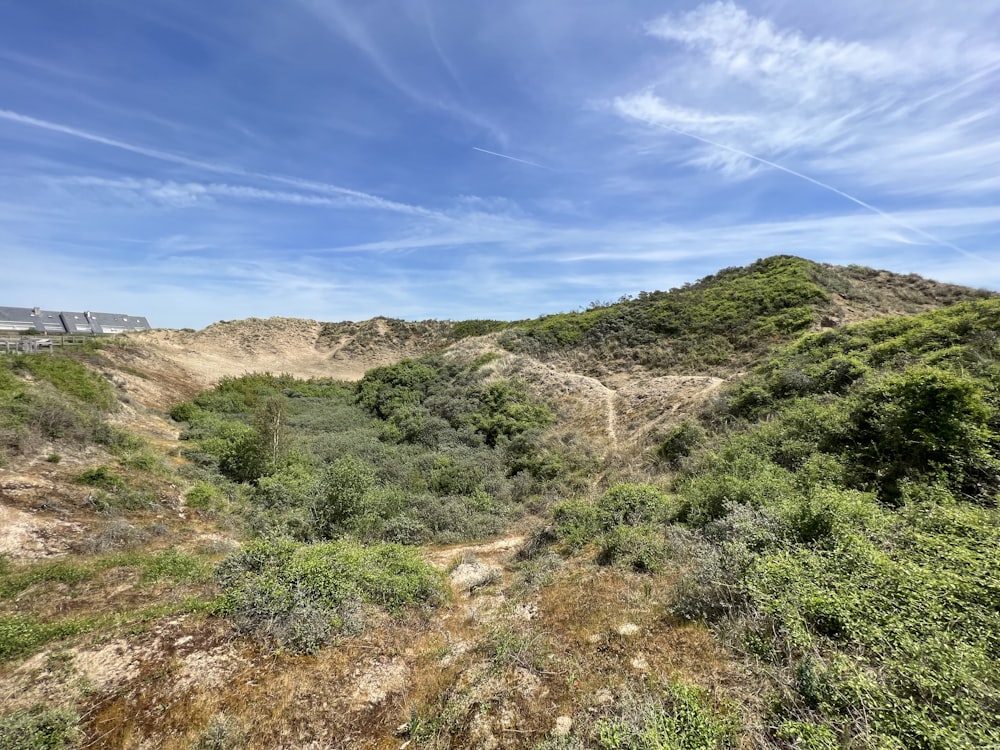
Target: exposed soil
163,367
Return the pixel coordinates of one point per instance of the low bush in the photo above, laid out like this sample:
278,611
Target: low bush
22,634
577,523
632,505
684,719
204,496
39,728
299,595
642,548
680,442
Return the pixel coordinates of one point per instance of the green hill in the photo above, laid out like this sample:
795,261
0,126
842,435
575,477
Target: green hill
724,322
842,506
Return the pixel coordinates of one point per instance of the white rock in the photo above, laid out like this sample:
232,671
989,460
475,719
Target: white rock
564,725
472,575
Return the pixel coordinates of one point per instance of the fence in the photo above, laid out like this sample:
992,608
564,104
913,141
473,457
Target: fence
29,344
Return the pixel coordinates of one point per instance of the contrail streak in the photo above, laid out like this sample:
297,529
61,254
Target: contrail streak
512,158
888,217
372,201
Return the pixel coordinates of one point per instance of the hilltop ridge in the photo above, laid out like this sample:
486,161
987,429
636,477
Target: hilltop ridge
714,327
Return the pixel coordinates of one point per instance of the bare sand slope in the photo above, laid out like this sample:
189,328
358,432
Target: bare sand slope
624,409
165,366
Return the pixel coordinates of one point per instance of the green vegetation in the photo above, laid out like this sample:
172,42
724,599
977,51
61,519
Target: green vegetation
721,320
626,523
51,396
151,566
849,529
724,322
465,328
67,376
24,634
417,451
683,720
300,595
39,729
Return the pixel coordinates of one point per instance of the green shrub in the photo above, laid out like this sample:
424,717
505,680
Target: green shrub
683,720
924,424
345,489
203,496
185,411
103,477
298,595
39,729
733,480
679,443
383,390
507,411
632,505
642,548
465,328
577,522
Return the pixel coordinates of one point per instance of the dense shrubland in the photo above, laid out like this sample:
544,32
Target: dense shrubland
332,478
720,320
724,322
414,452
837,520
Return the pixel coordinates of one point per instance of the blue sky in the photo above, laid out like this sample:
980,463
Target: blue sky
197,160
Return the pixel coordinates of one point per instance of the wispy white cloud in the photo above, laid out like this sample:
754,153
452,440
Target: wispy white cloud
349,24
173,193
651,112
358,198
316,157
832,105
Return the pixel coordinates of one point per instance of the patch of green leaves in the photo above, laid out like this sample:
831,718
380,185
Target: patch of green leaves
299,595
39,728
684,719
22,634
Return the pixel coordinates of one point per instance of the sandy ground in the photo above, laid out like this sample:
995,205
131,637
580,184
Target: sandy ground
162,367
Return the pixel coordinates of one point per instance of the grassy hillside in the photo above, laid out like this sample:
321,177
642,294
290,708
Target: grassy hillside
726,321
836,521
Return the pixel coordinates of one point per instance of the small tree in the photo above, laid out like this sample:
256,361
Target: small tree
271,428
344,488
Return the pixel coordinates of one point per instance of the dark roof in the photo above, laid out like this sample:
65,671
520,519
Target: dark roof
49,321
76,322
17,318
